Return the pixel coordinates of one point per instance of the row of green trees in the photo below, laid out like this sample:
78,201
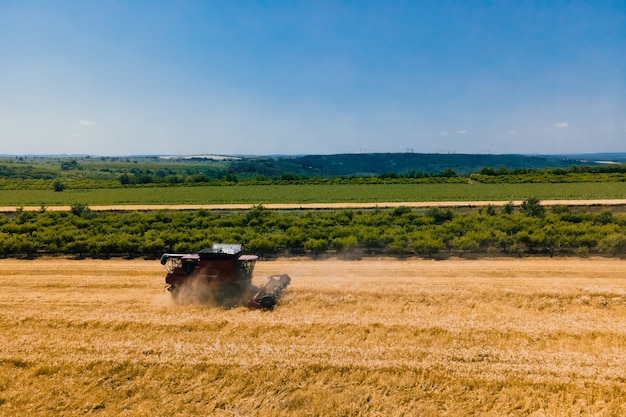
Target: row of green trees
435,232
150,172
223,179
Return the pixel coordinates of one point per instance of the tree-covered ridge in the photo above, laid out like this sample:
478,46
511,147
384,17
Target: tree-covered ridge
403,164
529,229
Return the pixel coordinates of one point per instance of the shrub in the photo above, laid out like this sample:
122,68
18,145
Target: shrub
532,207
58,186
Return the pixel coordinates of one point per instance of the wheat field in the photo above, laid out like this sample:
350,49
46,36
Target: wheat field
377,337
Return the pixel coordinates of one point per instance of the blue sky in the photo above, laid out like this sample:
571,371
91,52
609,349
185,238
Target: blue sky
312,77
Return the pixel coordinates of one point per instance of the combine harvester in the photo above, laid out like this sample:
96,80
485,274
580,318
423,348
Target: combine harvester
221,276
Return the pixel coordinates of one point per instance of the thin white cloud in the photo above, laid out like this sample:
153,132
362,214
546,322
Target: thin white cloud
86,123
443,133
82,129
511,132
561,125
461,132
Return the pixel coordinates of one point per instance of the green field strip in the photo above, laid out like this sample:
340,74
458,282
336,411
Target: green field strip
320,193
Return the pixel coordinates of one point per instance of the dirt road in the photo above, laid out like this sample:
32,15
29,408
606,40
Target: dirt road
295,206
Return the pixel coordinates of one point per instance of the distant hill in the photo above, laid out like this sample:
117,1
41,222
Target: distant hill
600,158
151,168
402,163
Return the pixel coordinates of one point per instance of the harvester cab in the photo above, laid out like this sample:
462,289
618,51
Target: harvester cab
220,275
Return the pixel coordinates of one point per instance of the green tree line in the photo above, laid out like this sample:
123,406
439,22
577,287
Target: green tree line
528,229
41,174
